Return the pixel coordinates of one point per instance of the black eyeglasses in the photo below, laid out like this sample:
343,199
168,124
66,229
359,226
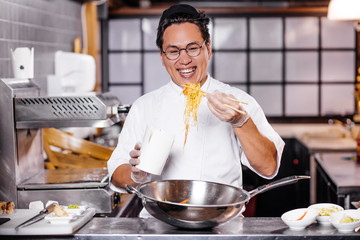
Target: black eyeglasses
192,50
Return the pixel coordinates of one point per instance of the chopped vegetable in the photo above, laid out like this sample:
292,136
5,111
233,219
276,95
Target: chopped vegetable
327,211
185,201
347,219
73,206
301,216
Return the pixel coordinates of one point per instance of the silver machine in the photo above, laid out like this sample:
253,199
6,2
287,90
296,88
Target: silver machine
23,177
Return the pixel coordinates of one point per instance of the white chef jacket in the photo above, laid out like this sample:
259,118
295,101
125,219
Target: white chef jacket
212,151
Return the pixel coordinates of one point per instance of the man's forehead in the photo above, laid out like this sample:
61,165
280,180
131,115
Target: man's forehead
182,34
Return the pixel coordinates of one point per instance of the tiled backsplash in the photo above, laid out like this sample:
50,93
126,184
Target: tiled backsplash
45,25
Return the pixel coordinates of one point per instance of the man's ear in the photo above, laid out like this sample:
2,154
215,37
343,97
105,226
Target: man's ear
161,57
208,47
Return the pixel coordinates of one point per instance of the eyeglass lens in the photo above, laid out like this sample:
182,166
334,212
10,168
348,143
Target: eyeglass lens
192,50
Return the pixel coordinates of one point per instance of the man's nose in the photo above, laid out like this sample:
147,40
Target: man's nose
184,57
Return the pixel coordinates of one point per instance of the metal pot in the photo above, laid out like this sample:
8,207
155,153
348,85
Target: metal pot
209,205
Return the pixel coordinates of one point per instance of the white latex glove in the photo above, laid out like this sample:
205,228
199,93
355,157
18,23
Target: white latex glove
137,175
217,102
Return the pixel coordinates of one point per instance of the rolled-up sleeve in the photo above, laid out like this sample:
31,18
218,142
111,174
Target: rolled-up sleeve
259,119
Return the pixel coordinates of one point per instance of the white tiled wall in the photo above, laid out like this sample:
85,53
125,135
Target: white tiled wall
257,58
45,25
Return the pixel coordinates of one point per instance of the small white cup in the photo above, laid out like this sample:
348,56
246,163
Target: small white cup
155,150
23,62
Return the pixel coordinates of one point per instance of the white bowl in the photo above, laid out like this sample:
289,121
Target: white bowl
296,220
75,211
336,218
321,207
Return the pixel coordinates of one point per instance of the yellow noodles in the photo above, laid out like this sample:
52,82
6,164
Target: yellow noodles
193,96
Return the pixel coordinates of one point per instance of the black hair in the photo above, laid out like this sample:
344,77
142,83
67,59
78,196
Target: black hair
182,13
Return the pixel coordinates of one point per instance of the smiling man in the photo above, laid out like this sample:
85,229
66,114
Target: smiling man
227,135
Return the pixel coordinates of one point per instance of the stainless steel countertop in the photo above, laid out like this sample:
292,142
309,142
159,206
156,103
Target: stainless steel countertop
315,145
238,228
345,174
318,137
249,228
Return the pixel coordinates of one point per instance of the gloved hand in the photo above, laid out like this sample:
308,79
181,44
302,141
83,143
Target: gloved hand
220,104
137,175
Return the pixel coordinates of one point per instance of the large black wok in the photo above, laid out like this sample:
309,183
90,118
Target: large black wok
209,204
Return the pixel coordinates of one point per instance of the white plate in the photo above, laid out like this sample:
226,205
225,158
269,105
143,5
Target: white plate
324,220
59,220
75,211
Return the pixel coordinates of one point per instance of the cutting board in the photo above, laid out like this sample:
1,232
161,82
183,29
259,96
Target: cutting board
42,227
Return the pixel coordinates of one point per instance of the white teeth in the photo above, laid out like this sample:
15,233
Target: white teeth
187,71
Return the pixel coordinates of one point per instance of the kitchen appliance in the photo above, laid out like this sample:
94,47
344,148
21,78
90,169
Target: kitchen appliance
209,204
71,68
22,176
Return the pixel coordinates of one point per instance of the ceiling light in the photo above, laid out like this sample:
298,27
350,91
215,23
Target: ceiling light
344,10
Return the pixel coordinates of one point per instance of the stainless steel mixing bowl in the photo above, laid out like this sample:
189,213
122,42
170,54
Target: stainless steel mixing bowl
209,204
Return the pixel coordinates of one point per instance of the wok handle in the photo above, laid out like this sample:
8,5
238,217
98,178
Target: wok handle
131,189
275,184
124,108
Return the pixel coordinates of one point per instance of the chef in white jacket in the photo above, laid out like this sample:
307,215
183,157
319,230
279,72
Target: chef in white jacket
223,139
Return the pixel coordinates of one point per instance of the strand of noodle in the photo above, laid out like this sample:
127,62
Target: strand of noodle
193,99
233,99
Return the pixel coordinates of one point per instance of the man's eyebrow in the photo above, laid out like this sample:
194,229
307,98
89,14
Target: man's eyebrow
171,46
179,47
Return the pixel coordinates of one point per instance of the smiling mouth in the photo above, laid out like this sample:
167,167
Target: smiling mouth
187,71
